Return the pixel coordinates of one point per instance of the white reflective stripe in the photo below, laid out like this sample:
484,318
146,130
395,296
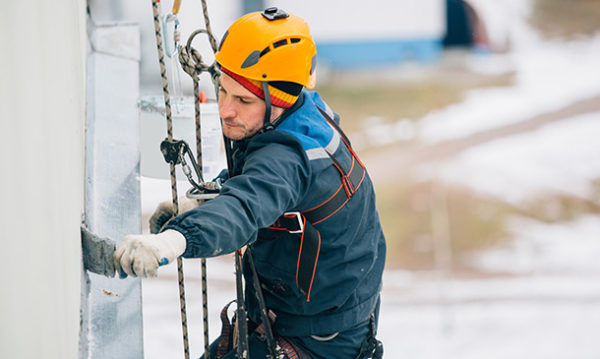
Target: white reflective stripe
333,145
316,153
329,111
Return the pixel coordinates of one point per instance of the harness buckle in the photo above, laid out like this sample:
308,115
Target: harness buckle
298,216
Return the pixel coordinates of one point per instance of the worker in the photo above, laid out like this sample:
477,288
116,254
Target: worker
298,197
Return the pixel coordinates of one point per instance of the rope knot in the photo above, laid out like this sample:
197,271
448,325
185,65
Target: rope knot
190,58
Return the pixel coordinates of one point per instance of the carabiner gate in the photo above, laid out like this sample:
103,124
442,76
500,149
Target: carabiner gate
165,21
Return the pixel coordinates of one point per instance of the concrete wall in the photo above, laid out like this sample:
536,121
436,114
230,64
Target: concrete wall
112,307
42,116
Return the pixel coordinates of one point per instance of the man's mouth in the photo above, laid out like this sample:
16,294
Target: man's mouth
230,124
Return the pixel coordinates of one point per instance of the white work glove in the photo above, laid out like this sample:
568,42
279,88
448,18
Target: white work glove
165,211
140,255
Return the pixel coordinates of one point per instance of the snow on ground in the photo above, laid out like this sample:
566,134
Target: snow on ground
548,248
546,81
561,157
551,310
162,321
549,75
523,328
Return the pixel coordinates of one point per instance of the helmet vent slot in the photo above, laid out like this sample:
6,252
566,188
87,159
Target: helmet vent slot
294,40
280,43
265,51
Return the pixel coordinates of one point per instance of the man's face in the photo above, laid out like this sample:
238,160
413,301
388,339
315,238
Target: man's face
242,111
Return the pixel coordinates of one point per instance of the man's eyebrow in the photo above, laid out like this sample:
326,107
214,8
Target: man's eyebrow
245,98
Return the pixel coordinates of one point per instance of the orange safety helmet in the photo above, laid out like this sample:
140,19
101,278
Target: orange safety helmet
270,46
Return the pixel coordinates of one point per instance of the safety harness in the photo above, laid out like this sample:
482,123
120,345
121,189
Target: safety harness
283,347
303,223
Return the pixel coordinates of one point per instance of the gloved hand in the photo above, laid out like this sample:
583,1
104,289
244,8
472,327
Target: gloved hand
165,211
139,255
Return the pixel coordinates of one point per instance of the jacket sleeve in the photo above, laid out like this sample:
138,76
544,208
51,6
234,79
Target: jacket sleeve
274,178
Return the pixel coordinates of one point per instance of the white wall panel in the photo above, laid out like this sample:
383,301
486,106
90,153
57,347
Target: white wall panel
42,116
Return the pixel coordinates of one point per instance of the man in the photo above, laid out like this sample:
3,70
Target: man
299,197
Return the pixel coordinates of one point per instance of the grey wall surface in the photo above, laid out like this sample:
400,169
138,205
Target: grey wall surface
111,307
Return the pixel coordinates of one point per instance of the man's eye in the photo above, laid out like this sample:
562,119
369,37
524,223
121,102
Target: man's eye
243,101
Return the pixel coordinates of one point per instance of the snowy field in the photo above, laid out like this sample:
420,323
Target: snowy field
546,305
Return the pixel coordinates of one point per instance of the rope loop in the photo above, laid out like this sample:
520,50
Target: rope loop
190,58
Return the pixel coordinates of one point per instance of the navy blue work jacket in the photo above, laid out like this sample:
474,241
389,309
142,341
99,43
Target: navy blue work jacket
289,169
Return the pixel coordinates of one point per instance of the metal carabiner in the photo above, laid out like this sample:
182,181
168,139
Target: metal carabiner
165,21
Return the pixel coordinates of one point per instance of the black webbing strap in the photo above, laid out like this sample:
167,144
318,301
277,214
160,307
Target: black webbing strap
304,222
350,184
336,126
351,181
308,255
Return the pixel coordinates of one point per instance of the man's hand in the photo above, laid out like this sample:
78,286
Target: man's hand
165,211
140,255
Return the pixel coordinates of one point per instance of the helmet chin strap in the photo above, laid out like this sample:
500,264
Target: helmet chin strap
267,125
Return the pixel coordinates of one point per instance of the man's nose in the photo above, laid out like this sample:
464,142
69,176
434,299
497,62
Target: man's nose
226,108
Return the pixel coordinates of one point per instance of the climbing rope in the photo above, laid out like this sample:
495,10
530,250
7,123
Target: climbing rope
174,151
165,87
242,325
211,38
192,64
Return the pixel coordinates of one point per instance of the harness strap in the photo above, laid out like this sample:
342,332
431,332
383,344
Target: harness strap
308,255
371,348
264,316
351,180
303,222
226,330
350,184
285,348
